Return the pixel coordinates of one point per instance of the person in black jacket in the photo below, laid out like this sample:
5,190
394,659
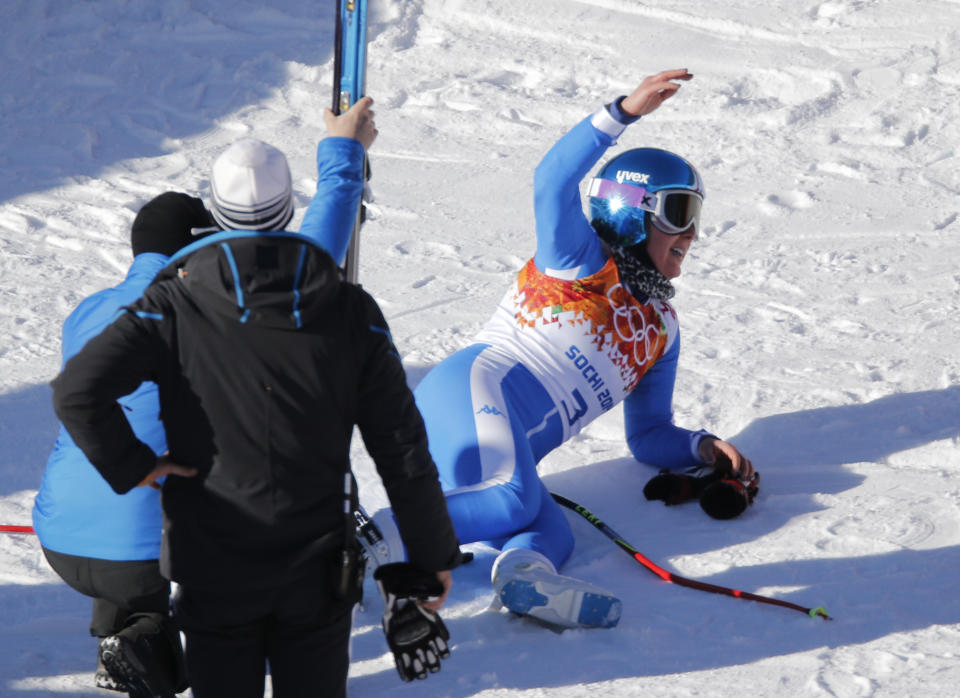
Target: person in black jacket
265,361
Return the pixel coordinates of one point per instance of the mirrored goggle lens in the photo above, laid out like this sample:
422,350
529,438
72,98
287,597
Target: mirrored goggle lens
619,195
679,210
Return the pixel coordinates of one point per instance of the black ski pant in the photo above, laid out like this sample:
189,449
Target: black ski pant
119,588
299,629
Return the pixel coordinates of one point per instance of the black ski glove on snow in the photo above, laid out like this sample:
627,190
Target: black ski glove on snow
728,498
677,488
416,636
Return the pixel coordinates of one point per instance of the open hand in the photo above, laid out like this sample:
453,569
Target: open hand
654,91
165,467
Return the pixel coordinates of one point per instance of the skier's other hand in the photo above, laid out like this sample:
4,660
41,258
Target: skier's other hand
357,123
725,457
165,467
654,91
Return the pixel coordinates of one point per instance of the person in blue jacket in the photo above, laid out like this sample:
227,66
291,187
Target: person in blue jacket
265,361
103,544
108,545
587,324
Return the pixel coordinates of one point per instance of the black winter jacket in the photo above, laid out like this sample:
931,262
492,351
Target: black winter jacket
265,362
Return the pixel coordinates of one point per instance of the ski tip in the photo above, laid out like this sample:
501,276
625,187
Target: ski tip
819,611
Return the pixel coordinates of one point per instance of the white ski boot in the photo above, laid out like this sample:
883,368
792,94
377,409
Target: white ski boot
527,583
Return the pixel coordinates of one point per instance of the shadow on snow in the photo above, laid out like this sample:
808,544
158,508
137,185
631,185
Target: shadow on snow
28,428
801,455
100,81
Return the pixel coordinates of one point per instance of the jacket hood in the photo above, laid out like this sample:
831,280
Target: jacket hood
280,280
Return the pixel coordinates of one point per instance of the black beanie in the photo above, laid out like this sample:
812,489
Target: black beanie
166,223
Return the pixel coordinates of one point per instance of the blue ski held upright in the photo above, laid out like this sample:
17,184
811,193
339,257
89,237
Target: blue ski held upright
351,59
349,68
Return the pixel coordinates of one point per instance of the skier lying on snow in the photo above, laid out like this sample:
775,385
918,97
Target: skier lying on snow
587,324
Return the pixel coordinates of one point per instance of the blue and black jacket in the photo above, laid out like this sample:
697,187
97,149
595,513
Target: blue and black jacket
75,510
265,361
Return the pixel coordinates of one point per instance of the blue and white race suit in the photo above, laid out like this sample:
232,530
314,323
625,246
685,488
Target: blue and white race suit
566,344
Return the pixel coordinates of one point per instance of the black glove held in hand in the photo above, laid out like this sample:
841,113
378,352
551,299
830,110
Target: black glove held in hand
728,498
677,488
416,635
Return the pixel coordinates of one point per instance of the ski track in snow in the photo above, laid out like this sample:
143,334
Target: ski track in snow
818,308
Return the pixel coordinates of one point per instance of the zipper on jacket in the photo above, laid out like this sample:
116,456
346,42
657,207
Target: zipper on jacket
268,440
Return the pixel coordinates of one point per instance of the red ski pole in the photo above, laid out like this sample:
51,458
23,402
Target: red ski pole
676,579
16,529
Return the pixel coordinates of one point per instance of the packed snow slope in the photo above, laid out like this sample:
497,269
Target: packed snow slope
819,308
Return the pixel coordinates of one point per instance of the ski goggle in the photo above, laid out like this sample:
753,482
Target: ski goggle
674,210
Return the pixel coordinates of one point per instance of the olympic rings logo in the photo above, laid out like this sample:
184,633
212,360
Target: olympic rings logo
631,325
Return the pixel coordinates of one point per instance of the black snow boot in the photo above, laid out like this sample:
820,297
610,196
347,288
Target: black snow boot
147,656
104,679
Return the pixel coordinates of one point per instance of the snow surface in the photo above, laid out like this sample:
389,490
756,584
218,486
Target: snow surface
818,308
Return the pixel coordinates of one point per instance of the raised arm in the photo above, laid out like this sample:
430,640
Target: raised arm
332,212
567,245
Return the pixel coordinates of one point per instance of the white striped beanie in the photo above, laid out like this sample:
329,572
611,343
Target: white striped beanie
251,187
